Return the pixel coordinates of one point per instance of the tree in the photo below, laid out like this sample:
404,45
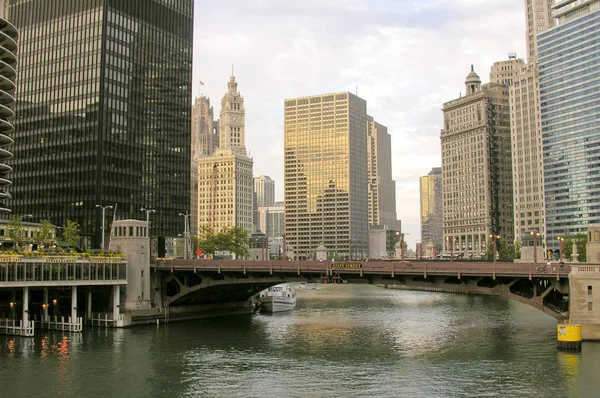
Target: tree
517,248
45,235
581,243
206,240
71,233
235,240
567,247
239,241
15,230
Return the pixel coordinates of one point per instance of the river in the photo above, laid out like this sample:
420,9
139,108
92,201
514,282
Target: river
340,341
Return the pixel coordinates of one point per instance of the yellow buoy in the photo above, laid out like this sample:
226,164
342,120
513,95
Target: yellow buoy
569,337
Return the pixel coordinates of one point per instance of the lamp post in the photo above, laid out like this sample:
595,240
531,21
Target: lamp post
186,234
103,219
560,254
494,238
535,235
148,211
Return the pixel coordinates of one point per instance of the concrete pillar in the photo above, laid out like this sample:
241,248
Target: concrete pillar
89,304
45,303
25,306
74,304
116,302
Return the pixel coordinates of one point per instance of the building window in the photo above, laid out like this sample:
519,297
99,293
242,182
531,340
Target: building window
590,306
589,290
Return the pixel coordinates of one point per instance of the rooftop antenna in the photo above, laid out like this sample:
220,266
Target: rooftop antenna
231,69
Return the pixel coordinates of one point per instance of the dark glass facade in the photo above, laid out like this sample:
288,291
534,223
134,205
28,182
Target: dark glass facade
103,111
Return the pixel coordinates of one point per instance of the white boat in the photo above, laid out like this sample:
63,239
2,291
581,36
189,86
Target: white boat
278,298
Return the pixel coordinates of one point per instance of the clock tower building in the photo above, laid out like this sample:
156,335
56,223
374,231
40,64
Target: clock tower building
225,179
232,124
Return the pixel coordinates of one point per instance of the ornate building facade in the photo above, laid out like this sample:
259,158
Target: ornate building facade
225,180
476,168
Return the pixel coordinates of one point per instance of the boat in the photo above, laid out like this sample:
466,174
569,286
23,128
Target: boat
278,298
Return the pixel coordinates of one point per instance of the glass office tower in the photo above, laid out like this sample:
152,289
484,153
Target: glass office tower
326,201
103,111
569,59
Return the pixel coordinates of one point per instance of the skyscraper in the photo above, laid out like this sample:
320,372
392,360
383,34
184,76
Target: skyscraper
326,174
526,131
104,111
569,55
8,48
225,180
204,141
476,168
382,188
538,19
264,188
432,219
264,196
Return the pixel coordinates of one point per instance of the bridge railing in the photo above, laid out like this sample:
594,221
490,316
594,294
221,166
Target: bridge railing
39,270
374,267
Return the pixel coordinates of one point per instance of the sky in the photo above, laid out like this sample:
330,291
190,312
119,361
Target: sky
404,57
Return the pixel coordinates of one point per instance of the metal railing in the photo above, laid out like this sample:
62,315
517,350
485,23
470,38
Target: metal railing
63,270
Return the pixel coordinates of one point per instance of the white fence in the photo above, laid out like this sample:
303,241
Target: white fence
16,328
56,323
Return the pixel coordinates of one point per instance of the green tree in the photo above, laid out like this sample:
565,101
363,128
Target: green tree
15,230
239,241
518,249
206,240
506,252
71,233
567,246
45,235
581,243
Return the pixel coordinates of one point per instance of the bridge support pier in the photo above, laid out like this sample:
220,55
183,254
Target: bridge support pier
116,298
74,304
25,305
89,304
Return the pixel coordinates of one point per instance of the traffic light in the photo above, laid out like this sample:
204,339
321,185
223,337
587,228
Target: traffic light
549,255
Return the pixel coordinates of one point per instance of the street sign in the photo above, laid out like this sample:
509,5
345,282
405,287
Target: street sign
198,252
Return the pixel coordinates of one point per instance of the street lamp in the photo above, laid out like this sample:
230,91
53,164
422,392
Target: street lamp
186,234
148,211
560,254
534,234
103,219
494,239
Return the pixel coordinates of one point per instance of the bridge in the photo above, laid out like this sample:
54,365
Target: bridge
202,282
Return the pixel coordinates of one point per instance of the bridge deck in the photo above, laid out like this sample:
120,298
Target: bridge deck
442,268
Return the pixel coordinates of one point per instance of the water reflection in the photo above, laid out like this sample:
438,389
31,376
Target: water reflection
350,341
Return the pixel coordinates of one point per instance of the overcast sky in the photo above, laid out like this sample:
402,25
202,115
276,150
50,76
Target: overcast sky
407,57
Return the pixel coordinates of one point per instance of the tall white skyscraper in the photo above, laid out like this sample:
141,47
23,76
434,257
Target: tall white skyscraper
264,188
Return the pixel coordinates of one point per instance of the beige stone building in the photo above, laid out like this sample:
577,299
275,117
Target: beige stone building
539,19
526,133
326,174
476,168
204,140
382,188
225,179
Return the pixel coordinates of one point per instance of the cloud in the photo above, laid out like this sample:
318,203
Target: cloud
406,58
